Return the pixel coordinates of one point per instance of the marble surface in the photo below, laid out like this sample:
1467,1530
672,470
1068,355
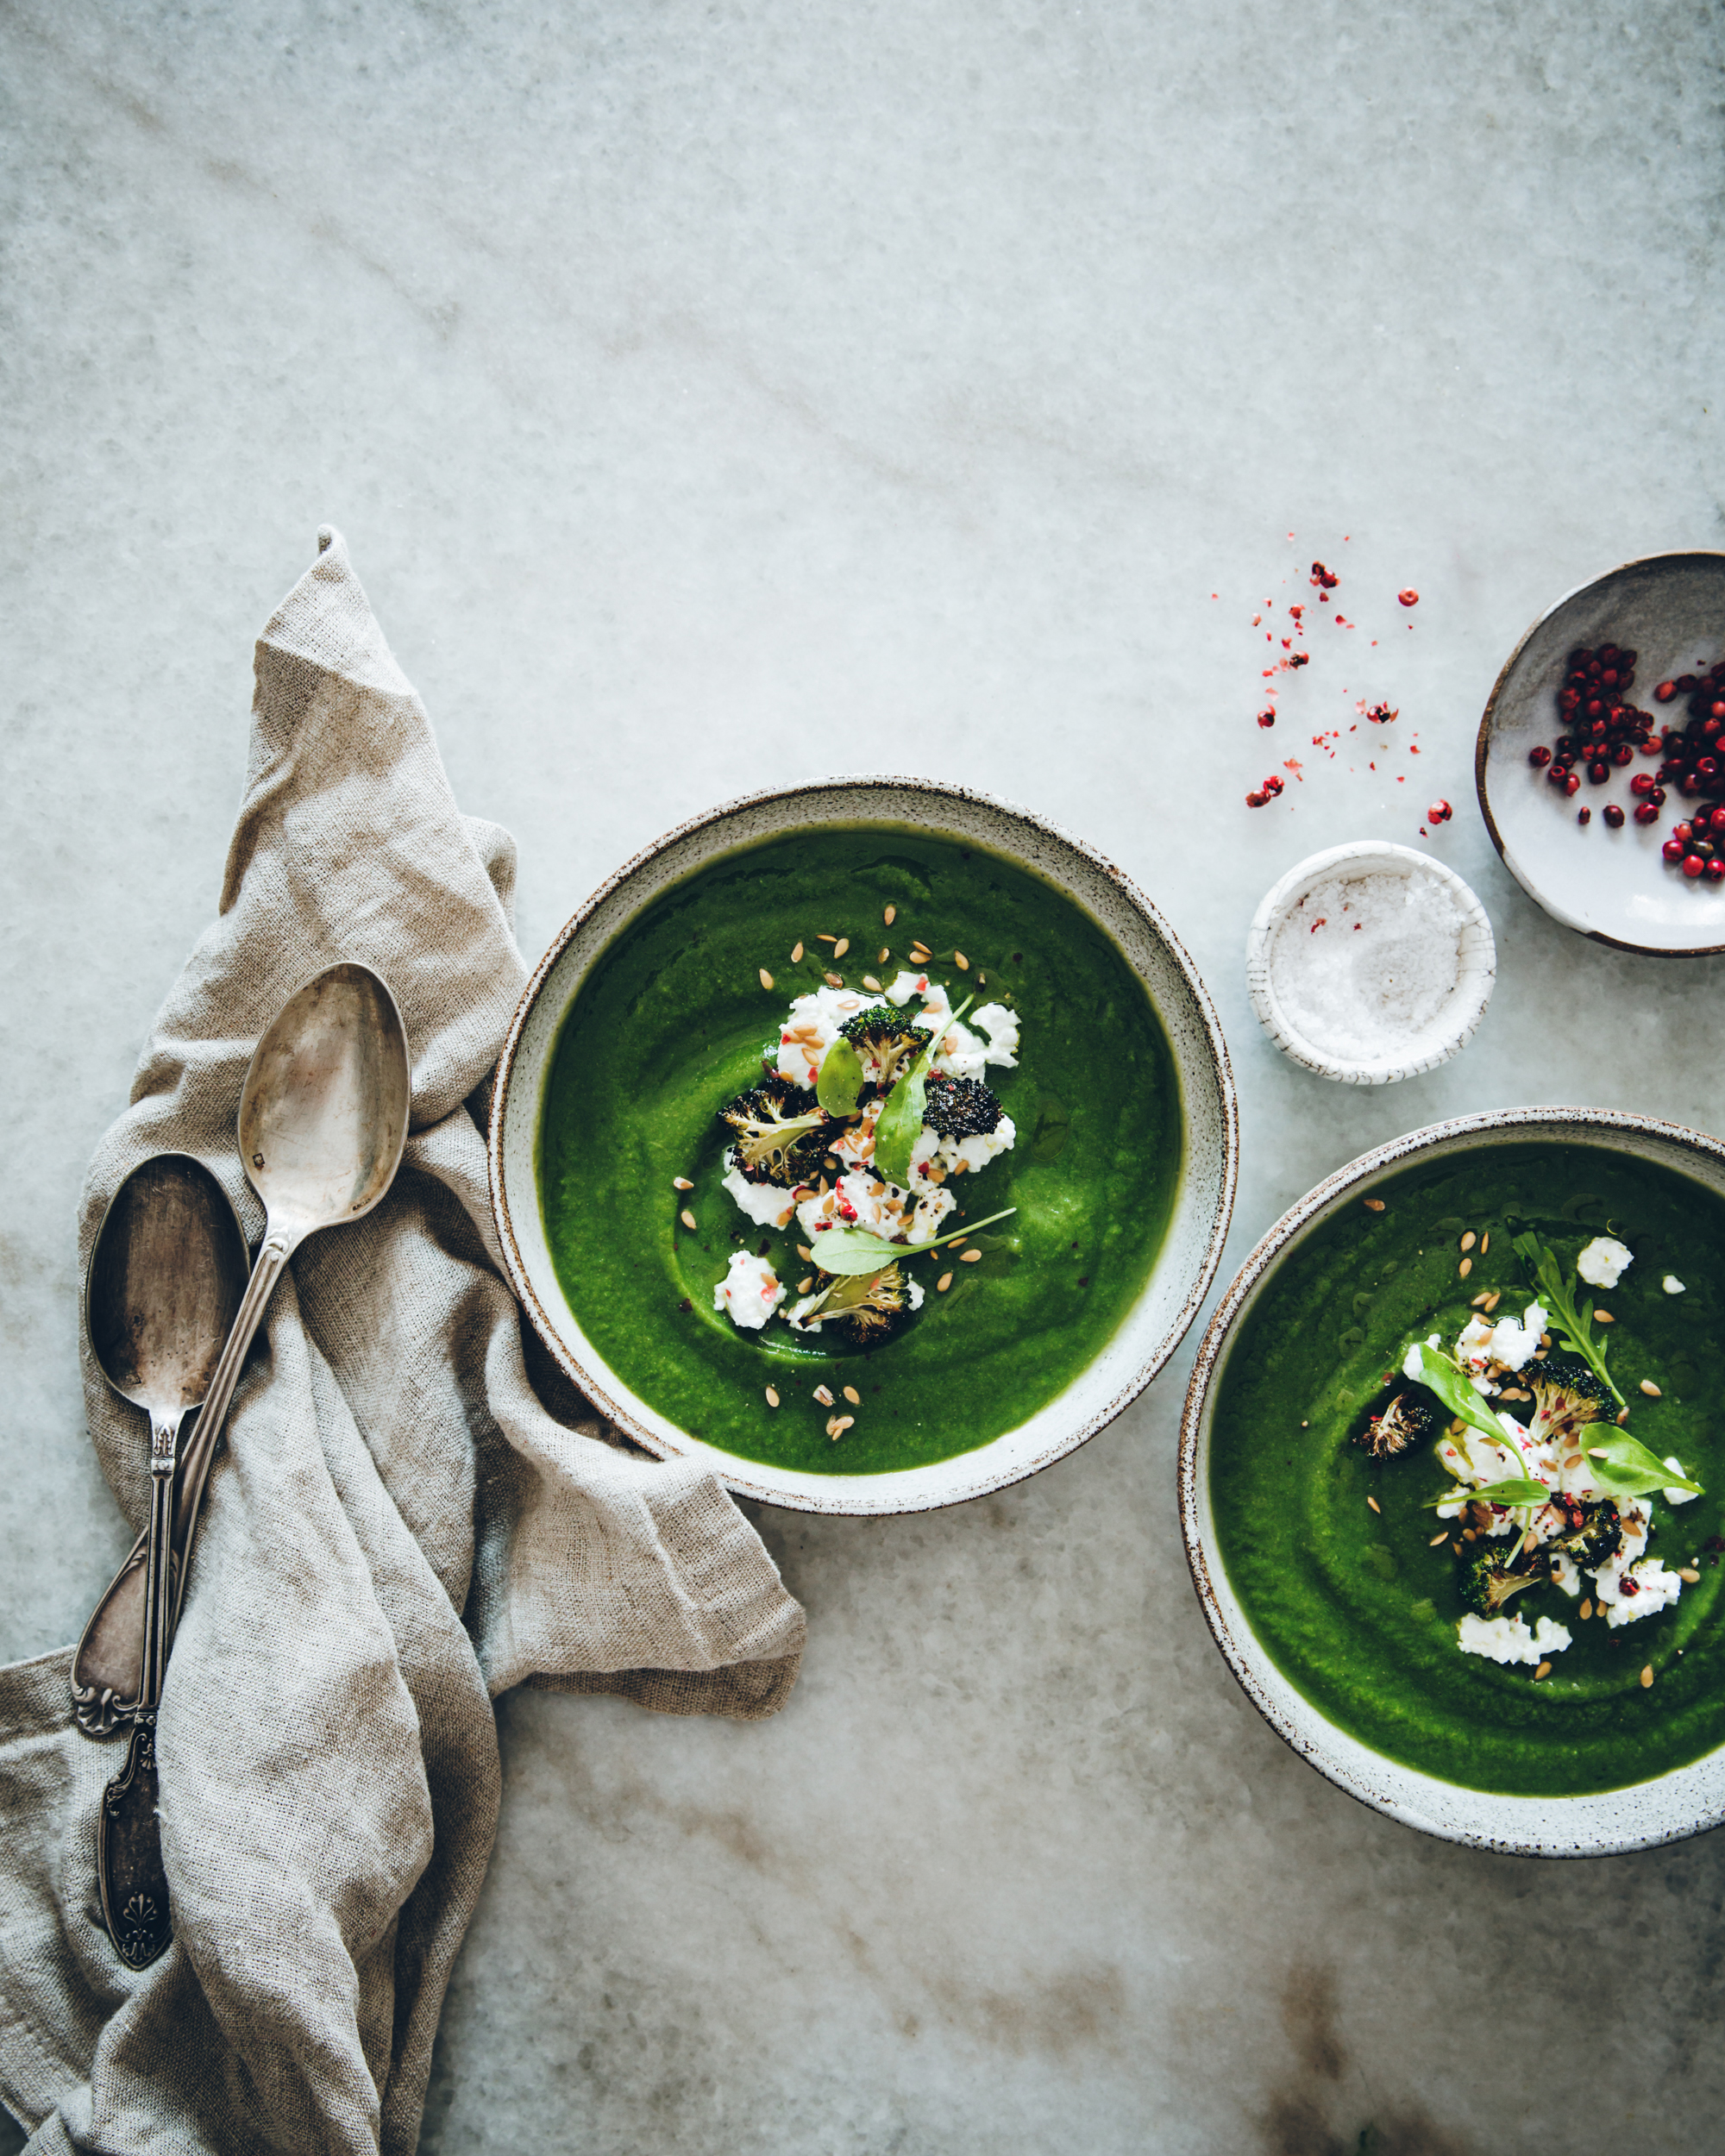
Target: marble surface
713,394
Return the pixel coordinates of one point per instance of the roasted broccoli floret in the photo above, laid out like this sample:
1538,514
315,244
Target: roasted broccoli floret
1489,1579
886,1042
1567,1397
865,1306
1594,1535
782,1132
959,1107
1407,1420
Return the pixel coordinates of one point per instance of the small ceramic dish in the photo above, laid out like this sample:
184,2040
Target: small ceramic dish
1425,1046
1191,1246
1611,884
1684,1801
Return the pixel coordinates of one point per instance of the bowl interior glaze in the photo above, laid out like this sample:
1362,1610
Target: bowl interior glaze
1683,1802
1191,1248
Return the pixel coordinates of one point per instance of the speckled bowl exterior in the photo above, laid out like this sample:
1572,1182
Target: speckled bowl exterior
1670,610
1444,1035
1191,1251
1686,1800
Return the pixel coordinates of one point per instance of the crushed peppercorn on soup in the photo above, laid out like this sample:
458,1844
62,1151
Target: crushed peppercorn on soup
731,989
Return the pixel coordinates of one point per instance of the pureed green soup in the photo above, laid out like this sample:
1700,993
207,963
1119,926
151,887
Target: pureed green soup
1353,1606
670,1023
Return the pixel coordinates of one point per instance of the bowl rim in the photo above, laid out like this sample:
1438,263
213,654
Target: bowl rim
1245,1656
742,1483
1277,902
1482,748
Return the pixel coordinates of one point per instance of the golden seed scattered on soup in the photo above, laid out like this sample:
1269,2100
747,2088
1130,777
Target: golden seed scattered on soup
942,1283
1689,1575
1647,1676
834,981
823,1395
1469,1240
805,1283
1604,1317
960,961
1651,1389
1465,1267
969,1257
827,939
841,947
1478,1302
1373,1205
890,915
1374,1504
681,1182
1544,1670
1493,1300
1485,1242
766,978
886,953
1587,1610
853,1395
807,1255
686,1218
1442,1535
797,955
772,1397
871,984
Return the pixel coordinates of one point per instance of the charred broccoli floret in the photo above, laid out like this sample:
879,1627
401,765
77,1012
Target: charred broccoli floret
886,1042
1567,1397
1594,1537
1407,1420
1489,1579
865,1306
782,1132
959,1107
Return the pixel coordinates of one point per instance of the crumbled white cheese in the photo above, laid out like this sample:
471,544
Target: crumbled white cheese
1655,1588
1486,1351
764,1203
861,1200
811,1030
1411,1365
1567,1573
1508,1639
1001,1026
903,985
1602,1263
1678,1496
750,1291
1673,1286
974,1152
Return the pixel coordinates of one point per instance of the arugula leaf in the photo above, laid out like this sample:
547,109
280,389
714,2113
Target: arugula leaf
1629,1469
856,1250
841,1078
1562,1316
901,1123
1515,1491
1455,1388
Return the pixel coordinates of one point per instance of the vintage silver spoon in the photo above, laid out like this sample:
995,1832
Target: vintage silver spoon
322,1123
166,1278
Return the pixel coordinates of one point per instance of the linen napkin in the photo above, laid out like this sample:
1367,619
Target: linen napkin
396,1530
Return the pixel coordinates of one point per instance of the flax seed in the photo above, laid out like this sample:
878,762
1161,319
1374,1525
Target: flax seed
1374,1504
766,978
1373,1205
961,961
1689,1575
1493,1300
1604,1317
1544,1670
1442,1535
827,939
1485,1242
942,1283
853,1395
805,1283
807,1255
1465,1267
1647,1674
1586,1609
841,947
871,984
681,1182
1478,1302
886,953
969,1257
823,1395
834,981
841,1424
687,1218
772,1397
890,915
1469,1240
797,955
1651,1389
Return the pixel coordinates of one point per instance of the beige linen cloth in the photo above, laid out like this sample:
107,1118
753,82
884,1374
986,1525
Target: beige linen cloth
397,1529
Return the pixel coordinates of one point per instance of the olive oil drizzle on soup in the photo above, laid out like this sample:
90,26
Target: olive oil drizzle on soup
1353,1605
670,1023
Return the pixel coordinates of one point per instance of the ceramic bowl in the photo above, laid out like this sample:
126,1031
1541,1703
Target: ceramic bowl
1683,1802
1442,1036
1669,609
1191,1251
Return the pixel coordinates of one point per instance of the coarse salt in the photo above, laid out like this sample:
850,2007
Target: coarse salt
1363,963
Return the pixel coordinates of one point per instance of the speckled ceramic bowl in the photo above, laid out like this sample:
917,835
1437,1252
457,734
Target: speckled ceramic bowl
1670,610
1445,1034
1191,1251
1685,1801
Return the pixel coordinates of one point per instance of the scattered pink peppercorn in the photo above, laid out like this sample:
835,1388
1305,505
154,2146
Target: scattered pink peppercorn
1584,816
1613,815
1439,812
1266,718
1409,597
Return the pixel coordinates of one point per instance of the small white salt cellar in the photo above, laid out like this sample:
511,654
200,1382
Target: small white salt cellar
1371,963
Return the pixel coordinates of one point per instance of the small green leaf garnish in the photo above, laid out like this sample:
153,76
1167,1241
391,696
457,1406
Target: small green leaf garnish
1513,1492
856,1250
1454,1387
840,1080
1576,1325
901,1123
1629,1470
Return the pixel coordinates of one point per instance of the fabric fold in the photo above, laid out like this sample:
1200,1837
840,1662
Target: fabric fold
397,1528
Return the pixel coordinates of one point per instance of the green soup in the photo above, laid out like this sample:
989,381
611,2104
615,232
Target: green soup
1354,1606
671,1023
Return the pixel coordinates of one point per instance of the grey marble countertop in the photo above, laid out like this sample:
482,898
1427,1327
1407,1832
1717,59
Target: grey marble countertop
714,395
